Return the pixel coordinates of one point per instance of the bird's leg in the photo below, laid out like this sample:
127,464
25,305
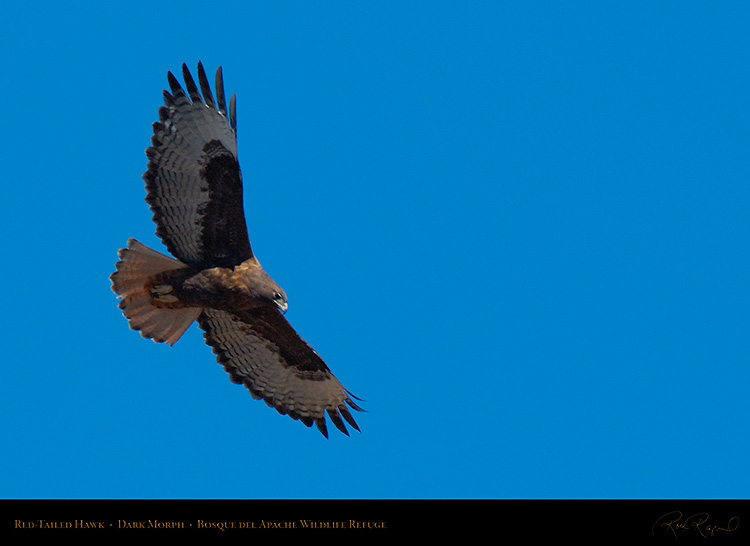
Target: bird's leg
163,293
165,288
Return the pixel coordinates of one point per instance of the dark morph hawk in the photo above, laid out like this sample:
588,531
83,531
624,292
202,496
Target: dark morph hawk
194,189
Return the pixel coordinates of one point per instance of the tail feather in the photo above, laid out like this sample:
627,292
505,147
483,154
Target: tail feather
130,282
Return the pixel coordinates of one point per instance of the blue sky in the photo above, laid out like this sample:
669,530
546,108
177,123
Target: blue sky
518,230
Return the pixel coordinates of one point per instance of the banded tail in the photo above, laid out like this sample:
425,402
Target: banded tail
132,283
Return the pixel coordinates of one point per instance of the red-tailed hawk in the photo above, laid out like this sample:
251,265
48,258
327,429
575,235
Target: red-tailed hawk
194,189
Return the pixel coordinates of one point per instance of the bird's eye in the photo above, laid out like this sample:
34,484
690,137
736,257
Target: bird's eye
277,296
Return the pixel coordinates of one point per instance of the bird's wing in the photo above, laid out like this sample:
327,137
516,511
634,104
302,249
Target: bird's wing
193,180
261,350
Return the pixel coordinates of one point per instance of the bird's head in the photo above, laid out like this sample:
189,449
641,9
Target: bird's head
279,298
259,285
273,292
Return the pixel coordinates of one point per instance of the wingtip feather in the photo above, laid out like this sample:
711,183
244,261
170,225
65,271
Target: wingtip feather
174,84
219,85
192,89
205,86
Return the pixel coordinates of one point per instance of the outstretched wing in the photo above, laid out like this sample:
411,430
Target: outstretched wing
193,180
260,349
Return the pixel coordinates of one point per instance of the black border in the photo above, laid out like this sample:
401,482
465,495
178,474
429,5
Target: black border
667,521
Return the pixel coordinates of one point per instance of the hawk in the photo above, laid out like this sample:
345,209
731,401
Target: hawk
194,190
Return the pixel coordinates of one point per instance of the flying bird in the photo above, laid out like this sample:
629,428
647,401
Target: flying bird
194,190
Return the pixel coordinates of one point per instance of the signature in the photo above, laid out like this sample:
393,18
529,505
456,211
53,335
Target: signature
698,523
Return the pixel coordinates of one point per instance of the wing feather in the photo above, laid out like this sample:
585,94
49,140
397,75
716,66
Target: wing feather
195,95
219,84
260,349
205,86
233,113
193,179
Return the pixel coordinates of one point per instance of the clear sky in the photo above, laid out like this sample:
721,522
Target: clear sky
517,230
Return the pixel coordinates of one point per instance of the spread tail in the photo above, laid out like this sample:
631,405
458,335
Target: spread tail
131,282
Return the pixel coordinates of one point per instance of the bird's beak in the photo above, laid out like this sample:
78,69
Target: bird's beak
283,306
